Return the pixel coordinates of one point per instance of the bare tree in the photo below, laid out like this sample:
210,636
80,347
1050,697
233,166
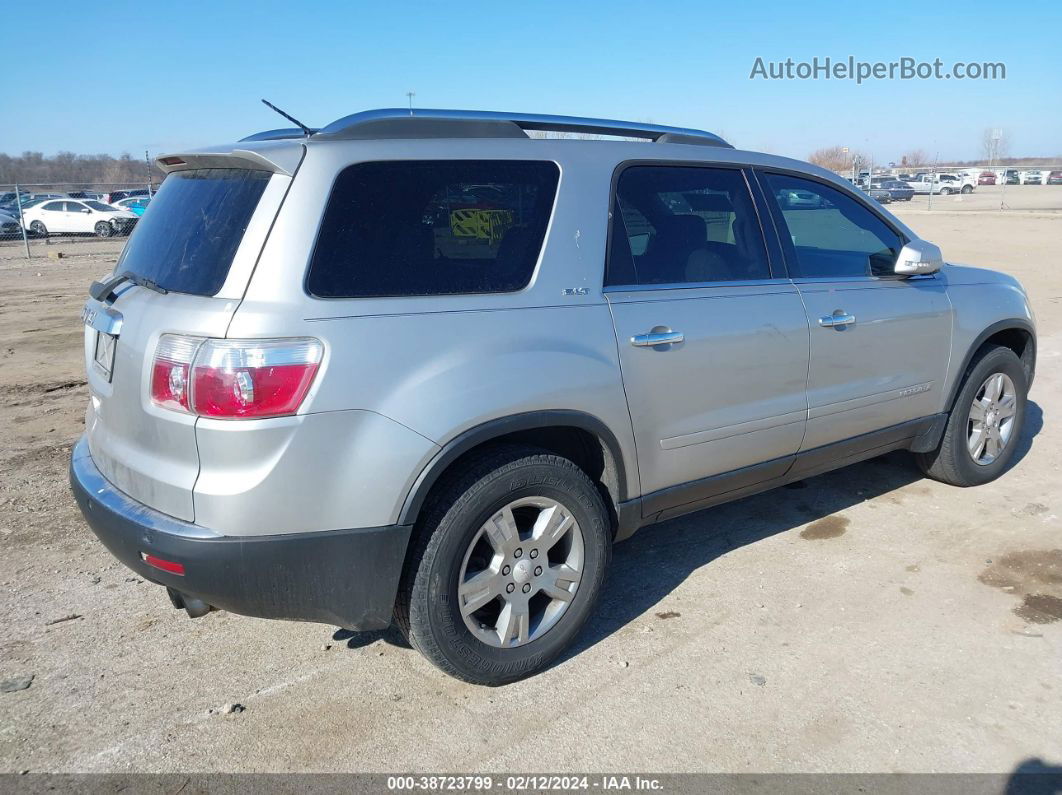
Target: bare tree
831,157
995,145
915,158
33,168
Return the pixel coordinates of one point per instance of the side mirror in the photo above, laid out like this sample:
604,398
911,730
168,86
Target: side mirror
86,210
918,257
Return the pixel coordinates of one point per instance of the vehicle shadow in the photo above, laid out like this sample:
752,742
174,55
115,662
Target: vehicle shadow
649,566
1034,777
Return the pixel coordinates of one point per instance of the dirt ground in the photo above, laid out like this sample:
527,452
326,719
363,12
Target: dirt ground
866,620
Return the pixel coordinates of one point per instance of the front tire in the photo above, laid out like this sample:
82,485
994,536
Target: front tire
985,423
506,566
39,229
967,189
104,229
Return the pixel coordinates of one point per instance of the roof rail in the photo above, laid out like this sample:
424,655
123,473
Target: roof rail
276,135
435,123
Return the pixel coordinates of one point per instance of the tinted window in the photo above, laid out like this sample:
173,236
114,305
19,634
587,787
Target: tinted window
679,225
432,228
74,207
830,234
103,208
52,206
186,244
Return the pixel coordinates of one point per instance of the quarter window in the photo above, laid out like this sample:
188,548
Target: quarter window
439,227
681,225
829,234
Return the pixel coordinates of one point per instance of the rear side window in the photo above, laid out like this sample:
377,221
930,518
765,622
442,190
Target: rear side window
684,225
198,217
432,227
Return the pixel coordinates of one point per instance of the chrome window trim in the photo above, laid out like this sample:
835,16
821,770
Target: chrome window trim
637,288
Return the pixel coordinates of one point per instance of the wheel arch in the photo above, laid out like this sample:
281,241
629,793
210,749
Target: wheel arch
1017,334
576,435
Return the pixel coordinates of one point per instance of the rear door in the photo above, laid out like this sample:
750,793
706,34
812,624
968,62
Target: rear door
54,217
880,344
198,245
713,344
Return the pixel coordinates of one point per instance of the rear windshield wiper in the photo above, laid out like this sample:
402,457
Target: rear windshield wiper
102,291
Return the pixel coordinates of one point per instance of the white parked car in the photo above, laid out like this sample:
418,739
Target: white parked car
941,183
68,216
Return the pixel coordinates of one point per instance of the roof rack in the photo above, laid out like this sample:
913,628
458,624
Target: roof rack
276,135
434,123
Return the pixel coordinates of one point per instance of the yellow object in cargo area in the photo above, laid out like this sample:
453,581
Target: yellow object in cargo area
489,225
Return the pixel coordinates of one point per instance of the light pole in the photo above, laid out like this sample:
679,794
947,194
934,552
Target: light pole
410,94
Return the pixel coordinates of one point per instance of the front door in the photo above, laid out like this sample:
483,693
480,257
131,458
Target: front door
879,344
79,218
713,346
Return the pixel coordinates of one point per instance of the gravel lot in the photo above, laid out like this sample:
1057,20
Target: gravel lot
863,621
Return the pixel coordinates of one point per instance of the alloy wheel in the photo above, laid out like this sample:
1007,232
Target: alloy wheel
521,572
991,422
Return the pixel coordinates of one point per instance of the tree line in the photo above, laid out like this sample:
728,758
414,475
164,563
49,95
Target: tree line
68,168
995,150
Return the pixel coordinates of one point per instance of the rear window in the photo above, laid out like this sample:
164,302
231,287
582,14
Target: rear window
427,227
197,220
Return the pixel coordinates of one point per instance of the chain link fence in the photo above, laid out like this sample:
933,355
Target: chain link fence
35,214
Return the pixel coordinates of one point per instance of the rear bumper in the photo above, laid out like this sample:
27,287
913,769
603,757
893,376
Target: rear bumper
347,578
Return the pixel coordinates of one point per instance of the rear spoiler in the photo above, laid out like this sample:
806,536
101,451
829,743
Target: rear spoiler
279,159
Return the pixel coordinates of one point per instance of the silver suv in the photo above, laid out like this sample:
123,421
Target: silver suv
426,368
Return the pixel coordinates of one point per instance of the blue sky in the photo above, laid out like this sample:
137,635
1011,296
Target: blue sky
130,76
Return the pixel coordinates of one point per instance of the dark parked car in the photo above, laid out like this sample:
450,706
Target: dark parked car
118,195
986,178
1054,178
898,191
1011,177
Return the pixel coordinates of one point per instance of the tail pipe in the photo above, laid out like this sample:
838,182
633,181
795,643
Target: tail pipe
194,606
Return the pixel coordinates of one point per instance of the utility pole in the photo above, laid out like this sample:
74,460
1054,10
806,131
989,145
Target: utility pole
147,161
411,93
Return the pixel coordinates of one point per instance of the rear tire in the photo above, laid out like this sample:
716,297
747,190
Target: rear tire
963,457
514,545
104,229
945,191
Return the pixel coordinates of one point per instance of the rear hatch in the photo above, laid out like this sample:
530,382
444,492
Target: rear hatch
188,264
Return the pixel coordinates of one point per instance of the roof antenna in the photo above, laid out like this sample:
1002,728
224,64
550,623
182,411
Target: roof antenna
292,119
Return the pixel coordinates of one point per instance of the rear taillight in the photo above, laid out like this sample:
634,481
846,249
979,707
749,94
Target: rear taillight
171,371
234,379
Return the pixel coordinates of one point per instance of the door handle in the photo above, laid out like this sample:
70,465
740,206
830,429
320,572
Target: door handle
837,319
654,338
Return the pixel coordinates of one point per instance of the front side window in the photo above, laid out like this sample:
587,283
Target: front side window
432,227
828,233
684,225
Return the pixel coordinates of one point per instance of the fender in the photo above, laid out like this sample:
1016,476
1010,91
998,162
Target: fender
493,429
995,328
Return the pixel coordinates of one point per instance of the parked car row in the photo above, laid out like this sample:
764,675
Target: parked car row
77,212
